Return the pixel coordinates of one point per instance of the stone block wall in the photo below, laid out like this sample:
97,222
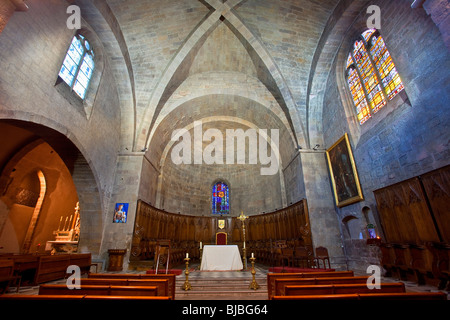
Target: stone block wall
407,139
32,48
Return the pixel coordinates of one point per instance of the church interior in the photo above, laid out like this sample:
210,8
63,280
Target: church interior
307,139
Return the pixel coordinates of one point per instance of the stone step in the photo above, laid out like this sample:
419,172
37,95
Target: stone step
221,289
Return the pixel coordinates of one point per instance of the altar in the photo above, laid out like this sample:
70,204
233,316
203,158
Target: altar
221,258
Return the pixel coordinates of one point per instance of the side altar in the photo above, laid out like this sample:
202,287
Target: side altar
67,236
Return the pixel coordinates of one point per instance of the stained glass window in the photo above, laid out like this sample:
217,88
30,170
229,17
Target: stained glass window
369,79
78,65
386,68
362,108
370,69
220,198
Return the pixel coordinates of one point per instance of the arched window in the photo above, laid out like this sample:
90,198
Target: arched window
220,198
371,75
78,65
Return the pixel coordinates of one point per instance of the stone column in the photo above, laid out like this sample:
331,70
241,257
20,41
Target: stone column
323,218
126,190
7,8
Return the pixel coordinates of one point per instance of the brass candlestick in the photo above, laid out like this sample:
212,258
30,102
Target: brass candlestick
186,286
242,217
253,285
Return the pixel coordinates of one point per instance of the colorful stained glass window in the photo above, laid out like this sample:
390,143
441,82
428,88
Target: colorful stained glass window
78,65
389,76
369,71
362,108
368,33
220,199
369,78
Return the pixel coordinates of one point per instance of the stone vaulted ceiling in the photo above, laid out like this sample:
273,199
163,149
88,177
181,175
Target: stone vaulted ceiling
167,53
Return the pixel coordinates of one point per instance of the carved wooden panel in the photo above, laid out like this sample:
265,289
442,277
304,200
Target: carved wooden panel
151,224
416,210
437,186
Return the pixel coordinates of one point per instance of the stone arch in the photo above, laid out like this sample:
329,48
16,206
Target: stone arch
83,174
177,71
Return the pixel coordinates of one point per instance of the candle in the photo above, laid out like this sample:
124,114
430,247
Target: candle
187,255
201,244
253,255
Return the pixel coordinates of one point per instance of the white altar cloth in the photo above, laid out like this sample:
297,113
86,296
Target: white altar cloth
221,258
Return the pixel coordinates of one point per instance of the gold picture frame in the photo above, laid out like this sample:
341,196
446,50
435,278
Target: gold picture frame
343,173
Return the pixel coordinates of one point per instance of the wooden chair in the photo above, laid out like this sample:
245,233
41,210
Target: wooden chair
288,255
221,238
302,257
322,255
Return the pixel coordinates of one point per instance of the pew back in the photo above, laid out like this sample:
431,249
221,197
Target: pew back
370,296
280,284
139,276
272,276
100,290
161,284
398,287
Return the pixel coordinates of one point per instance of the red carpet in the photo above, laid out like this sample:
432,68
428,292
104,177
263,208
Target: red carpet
297,270
163,271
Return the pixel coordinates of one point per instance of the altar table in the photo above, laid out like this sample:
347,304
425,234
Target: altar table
221,258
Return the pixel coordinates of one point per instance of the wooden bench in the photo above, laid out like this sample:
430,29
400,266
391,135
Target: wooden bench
170,277
99,290
280,284
19,297
370,296
7,275
51,268
398,287
161,284
272,276
83,260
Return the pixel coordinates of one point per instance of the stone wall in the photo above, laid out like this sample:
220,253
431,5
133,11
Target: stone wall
32,48
406,139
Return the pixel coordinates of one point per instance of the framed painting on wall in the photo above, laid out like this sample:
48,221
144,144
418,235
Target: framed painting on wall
120,213
344,177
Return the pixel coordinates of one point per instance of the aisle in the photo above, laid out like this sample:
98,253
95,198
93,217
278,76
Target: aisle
222,285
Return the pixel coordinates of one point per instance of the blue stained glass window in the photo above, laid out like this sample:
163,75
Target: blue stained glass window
220,198
78,65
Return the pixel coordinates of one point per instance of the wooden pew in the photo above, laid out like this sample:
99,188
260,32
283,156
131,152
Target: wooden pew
272,276
20,297
83,260
280,284
370,296
170,277
25,266
99,290
404,296
6,274
397,287
161,284
51,268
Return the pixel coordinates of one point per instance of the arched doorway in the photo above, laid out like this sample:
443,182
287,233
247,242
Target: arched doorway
33,153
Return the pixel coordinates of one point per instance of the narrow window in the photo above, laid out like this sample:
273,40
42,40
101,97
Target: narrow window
78,65
220,198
